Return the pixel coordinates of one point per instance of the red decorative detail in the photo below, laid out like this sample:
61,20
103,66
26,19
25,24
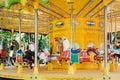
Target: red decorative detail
19,58
3,53
84,57
64,56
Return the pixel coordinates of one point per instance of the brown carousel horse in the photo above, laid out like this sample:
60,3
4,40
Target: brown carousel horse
29,58
94,50
3,55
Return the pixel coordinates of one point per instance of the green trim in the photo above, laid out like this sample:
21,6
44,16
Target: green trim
45,1
10,2
92,0
59,24
2,4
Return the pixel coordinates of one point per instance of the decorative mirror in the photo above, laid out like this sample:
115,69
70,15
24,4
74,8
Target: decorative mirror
59,24
90,23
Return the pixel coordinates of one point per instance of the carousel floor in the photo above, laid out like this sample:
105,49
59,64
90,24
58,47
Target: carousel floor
10,73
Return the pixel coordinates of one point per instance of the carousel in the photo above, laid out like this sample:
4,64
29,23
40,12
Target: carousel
59,39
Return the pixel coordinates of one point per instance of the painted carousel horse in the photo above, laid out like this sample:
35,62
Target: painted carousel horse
98,56
113,51
64,48
19,56
29,58
43,57
110,51
84,57
13,47
59,47
3,55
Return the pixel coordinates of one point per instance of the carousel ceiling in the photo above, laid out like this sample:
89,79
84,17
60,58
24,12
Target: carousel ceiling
114,16
11,10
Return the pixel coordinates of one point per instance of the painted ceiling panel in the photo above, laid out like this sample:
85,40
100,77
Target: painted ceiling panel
61,4
90,7
55,9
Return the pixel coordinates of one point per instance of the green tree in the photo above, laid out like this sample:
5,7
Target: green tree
25,38
5,37
42,42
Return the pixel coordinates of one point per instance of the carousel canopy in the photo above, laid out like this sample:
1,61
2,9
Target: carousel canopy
48,10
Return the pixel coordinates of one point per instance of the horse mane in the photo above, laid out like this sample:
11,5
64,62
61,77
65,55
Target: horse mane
92,50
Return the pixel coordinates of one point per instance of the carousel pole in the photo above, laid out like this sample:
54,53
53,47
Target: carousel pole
2,66
100,37
71,26
111,27
36,39
49,65
36,5
112,65
49,33
19,23
20,68
1,42
105,42
100,67
74,25
116,58
115,29
70,68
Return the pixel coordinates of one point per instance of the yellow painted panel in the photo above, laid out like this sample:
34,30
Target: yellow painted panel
90,7
77,5
84,33
101,6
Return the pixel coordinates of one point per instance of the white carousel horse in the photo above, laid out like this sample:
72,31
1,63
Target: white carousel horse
44,56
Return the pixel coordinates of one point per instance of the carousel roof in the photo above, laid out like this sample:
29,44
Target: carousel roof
48,11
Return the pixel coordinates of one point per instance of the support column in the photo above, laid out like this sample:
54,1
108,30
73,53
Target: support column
116,58
20,68
2,66
71,26
111,28
70,67
19,24
105,42
115,29
36,40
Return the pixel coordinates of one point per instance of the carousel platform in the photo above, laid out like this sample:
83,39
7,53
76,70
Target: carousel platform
10,73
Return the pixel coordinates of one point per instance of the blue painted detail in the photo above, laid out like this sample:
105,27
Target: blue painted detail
20,51
75,51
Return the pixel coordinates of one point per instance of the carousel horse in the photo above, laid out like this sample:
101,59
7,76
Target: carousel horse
29,54
11,54
84,57
111,51
98,56
114,52
14,46
64,48
59,45
29,58
43,56
19,56
3,55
